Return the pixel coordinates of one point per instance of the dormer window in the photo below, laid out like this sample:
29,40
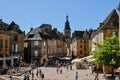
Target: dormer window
31,36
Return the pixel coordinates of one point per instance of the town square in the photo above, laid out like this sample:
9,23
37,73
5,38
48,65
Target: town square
60,40
50,73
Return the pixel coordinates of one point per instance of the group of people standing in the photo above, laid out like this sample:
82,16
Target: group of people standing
60,65
31,75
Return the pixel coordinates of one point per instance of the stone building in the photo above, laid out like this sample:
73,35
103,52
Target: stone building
43,43
11,43
108,28
80,43
4,47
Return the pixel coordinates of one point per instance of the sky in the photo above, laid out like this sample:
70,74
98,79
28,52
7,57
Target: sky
83,14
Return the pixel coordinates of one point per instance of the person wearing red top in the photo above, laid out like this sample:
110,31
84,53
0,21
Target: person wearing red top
32,75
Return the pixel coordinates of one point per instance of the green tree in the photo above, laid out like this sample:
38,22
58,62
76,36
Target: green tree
106,51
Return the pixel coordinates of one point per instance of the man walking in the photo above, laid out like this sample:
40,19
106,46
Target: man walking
76,77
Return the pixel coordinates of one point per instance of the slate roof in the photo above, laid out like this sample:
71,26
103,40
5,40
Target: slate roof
4,26
45,25
53,34
7,28
78,34
113,16
111,22
15,27
33,35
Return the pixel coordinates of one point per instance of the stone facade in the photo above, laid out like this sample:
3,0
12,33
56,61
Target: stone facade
80,43
43,43
108,28
4,45
11,41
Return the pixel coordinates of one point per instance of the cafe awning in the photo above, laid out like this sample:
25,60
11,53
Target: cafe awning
8,58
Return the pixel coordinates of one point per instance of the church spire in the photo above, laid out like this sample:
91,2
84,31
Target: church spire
67,18
67,24
67,30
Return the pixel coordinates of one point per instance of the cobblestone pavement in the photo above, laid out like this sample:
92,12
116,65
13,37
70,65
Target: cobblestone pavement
51,74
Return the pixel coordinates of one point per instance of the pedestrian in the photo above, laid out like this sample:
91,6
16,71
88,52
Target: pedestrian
37,72
28,76
76,76
71,66
59,65
40,72
61,70
57,70
92,67
96,76
42,76
32,75
67,65
25,77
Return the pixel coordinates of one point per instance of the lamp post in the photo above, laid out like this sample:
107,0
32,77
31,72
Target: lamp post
113,64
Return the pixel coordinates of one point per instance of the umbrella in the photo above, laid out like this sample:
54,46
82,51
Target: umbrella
65,58
76,60
90,60
89,57
118,69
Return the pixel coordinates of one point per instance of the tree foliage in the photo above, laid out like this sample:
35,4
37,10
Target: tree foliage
106,51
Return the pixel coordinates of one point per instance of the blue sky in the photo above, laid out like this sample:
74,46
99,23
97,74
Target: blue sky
83,14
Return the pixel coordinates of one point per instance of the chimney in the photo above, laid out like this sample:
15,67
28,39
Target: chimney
31,29
101,24
24,32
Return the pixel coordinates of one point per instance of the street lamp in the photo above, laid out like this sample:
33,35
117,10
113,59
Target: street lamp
113,64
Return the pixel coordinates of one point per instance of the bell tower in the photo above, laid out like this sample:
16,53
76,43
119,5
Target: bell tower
67,36
67,30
